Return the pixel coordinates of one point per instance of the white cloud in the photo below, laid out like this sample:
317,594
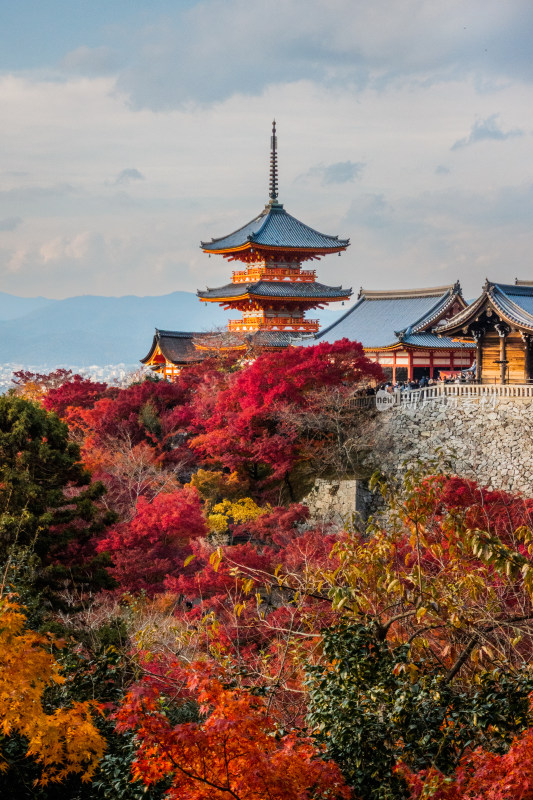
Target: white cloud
484,130
207,52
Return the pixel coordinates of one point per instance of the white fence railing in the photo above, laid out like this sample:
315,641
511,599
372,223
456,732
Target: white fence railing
470,391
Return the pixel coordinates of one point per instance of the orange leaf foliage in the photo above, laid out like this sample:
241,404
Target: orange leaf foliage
233,752
64,741
481,775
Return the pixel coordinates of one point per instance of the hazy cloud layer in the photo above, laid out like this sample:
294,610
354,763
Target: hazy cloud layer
210,50
91,61
406,127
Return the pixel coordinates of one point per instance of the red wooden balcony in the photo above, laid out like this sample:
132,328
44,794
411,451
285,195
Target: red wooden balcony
274,274
274,324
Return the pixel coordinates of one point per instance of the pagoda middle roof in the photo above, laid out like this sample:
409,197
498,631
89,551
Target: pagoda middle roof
281,289
275,227
382,319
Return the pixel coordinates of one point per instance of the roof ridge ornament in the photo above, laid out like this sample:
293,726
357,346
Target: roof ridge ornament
273,186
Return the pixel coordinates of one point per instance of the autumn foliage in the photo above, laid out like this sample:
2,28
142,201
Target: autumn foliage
235,646
234,750
156,542
62,741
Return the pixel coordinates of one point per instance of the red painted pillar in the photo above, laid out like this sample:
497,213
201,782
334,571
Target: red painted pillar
431,368
410,367
394,366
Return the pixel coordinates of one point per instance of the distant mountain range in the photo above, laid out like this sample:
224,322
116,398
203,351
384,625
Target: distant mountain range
91,330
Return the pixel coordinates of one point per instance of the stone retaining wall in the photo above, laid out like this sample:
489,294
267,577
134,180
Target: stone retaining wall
489,439
338,500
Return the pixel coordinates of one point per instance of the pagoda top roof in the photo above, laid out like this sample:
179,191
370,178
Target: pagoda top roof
381,319
296,289
513,302
276,228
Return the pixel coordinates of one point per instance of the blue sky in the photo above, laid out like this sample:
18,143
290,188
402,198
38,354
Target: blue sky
131,131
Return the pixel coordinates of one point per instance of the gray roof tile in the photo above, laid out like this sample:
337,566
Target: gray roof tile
274,227
276,289
382,319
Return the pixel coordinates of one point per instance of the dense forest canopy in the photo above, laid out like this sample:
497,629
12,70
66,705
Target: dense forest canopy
174,624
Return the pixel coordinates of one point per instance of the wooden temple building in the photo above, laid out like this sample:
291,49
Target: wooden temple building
500,324
401,331
411,333
170,351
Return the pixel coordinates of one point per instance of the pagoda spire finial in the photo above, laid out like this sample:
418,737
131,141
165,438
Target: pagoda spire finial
273,188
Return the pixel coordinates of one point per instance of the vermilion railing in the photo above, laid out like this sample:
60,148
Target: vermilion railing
274,274
273,324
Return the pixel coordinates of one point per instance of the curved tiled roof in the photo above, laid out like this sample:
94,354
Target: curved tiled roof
274,227
514,302
434,341
240,340
176,346
382,319
281,289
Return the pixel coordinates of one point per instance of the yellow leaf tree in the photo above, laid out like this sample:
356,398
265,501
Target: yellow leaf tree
62,742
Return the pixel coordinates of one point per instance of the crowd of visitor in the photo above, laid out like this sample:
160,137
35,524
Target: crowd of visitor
421,383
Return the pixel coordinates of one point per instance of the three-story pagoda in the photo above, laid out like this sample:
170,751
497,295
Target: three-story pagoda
273,292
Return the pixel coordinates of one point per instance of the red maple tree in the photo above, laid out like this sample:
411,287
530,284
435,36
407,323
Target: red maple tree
234,751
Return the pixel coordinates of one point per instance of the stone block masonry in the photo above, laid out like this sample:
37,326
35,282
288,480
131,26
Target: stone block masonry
488,439
338,500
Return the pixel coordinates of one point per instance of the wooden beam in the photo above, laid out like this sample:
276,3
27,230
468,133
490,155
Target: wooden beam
478,334
503,331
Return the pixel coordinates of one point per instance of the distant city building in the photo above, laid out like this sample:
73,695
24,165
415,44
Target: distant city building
500,323
400,329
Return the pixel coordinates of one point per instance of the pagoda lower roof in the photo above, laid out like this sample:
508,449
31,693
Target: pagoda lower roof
230,340
283,289
275,228
186,347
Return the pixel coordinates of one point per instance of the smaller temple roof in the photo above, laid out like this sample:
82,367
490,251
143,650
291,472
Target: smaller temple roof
513,302
293,289
176,346
383,319
274,227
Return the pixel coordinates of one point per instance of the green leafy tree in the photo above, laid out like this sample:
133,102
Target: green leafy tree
48,505
373,705
432,655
